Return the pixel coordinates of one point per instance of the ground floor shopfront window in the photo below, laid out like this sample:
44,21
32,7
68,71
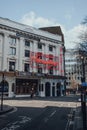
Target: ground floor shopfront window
4,88
25,86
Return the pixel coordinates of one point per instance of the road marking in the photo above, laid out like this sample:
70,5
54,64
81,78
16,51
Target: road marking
24,119
52,113
47,118
17,124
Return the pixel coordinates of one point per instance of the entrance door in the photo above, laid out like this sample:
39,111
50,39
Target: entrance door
58,89
53,91
47,89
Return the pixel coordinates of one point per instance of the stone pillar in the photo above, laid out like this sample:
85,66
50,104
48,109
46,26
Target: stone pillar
11,81
31,50
62,87
10,93
21,54
17,67
43,89
55,91
34,49
46,52
5,51
57,55
51,89
1,56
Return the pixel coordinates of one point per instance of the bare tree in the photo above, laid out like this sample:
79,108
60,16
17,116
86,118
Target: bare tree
82,46
85,21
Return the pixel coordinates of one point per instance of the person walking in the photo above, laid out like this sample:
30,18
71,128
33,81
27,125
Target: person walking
32,92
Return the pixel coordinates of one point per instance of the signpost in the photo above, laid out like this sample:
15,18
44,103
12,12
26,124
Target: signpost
83,103
2,90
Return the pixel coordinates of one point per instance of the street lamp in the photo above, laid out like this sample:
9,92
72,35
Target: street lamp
2,90
83,94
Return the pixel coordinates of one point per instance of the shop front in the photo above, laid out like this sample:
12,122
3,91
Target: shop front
25,86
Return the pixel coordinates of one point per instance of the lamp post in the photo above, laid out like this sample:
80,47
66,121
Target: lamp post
2,90
83,94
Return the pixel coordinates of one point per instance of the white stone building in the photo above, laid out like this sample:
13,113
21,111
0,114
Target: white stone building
31,60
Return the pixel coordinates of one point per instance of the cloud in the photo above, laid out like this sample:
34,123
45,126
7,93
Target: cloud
36,21
71,36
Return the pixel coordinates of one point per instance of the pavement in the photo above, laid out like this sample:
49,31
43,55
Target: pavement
78,119
6,109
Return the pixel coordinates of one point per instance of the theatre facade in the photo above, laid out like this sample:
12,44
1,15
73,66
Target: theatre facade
31,60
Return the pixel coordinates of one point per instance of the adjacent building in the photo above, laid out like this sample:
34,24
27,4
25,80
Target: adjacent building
31,60
73,67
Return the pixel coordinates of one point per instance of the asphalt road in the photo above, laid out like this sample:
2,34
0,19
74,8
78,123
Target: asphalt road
37,114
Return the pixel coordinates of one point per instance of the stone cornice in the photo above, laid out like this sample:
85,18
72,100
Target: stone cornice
21,33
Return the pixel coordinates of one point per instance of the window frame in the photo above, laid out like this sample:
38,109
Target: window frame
27,54
51,70
26,67
51,48
40,70
39,46
12,51
12,41
10,65
27,43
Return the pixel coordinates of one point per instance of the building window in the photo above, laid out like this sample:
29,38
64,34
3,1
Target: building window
50,48
12,40
12,51
50,57
51,70
53,83
40,70
39,46
26,67
69,78
27,53
27,43
11,66
78,78
39,55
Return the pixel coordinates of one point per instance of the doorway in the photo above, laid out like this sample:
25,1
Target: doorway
53,91
47,89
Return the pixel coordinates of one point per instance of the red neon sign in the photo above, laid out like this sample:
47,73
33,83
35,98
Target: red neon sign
47,60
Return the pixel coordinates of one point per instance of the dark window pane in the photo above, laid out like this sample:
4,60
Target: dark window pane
50,48
26,67
39,46
11,66
12,51
27,43
39,70
27,53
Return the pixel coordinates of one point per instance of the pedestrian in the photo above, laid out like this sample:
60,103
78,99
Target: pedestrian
32,92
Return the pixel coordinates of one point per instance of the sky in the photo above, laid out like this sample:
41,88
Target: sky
68,14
